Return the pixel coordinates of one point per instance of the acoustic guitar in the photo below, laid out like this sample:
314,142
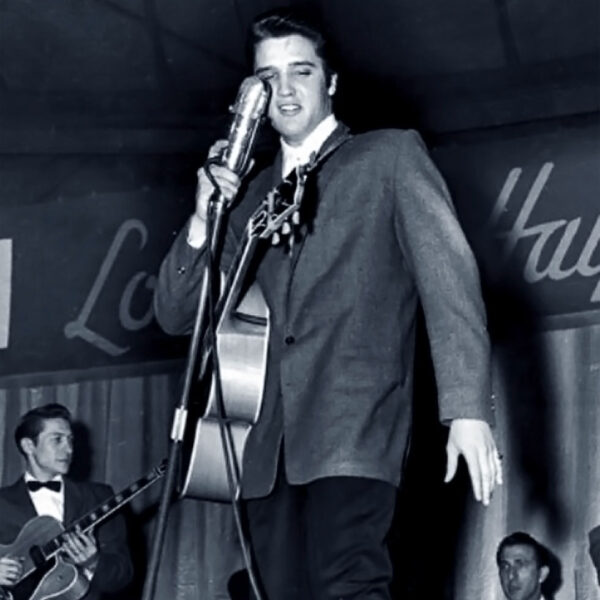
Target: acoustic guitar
46,574
242,335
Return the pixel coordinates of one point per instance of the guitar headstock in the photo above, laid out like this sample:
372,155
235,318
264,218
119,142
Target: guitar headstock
279,213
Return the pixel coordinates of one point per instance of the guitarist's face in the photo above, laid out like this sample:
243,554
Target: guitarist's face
51,453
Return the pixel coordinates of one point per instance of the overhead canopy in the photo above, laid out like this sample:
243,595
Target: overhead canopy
152,64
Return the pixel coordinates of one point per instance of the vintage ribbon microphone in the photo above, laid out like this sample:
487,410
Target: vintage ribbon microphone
248,110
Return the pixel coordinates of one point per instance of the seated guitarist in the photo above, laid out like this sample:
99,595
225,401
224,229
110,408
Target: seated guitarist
44,436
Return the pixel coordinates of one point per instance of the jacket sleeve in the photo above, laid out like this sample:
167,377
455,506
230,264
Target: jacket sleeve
114,570
447,280
180,277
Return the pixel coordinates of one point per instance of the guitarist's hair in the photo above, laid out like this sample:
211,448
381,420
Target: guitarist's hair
32,422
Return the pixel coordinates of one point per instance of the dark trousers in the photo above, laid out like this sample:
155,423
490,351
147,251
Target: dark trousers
325,540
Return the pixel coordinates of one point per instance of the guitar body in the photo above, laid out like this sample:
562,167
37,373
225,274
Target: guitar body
55,579
242,343
242,334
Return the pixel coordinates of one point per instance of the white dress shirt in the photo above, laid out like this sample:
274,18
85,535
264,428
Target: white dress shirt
47,502
294,156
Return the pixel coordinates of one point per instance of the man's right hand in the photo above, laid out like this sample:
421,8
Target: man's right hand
226,179
10,570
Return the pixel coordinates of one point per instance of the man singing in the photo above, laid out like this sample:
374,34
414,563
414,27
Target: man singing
323,462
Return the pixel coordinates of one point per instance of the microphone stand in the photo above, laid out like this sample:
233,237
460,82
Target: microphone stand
217,209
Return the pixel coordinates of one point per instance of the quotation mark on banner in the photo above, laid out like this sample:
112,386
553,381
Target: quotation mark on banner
5,289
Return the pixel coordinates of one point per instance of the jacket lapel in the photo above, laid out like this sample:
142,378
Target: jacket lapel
310,202
73,504
18,495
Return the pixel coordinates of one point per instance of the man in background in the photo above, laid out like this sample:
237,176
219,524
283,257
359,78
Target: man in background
44,437
523,566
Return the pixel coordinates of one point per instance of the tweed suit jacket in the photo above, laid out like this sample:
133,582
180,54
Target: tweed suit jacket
380,235
114,570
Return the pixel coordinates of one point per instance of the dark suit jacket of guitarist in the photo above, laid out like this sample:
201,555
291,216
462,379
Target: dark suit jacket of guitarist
380,235
114,570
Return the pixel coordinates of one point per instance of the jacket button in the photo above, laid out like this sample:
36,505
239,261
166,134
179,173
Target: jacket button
289,340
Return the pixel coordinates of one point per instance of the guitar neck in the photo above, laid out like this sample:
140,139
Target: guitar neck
104,510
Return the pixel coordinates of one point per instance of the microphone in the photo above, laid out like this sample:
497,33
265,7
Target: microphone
250,105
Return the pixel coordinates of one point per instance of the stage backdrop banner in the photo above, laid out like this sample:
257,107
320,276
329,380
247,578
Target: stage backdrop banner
529,200
76,283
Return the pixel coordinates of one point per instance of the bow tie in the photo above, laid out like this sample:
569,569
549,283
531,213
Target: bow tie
34,486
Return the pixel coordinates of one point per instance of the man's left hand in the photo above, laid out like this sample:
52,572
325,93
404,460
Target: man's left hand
81,549
474,440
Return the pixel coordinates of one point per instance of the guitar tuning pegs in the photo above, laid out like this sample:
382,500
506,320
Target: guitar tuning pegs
275,239
286,228
296,218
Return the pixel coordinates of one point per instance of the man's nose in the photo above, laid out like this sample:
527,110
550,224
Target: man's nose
285,87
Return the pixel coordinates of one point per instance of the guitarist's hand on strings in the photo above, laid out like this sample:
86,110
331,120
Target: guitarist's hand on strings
11,569
81,549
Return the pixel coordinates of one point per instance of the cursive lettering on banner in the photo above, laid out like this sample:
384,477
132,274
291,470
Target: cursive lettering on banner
555,269
79,327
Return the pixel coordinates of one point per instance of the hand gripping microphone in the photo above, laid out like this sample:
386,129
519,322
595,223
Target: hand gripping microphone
249,107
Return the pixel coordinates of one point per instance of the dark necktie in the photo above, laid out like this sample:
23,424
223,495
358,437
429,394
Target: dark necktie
34,486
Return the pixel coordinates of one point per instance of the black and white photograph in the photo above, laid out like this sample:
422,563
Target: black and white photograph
299,300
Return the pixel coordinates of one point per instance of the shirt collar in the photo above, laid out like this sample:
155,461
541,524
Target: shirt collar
293,156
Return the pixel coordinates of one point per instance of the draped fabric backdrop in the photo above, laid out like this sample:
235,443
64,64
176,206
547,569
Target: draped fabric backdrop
548,396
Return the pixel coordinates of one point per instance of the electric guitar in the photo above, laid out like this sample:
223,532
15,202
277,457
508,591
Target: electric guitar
242,334
46,574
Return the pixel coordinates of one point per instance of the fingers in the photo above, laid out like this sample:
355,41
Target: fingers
217,148
226,180
452,463
79,547
486,471
473,439
11,570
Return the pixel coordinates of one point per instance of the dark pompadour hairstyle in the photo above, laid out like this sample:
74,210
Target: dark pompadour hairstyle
294,21
32,423
520,538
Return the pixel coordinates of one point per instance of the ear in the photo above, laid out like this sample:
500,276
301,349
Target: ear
332,85
27,446
544,572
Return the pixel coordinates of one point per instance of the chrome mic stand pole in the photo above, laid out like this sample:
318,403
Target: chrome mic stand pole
181,412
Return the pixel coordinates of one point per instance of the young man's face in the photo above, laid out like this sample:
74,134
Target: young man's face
300,97
520,575
51,454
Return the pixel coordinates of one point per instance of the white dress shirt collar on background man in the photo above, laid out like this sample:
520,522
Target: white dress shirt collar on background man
46,501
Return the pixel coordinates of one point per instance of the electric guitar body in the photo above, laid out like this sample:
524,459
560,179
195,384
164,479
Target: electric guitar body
55,578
